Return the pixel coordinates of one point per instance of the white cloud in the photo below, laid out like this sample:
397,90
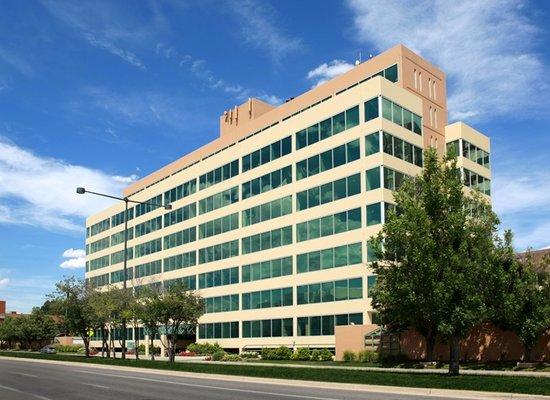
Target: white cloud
325,72
4,282
514,193
125,179
40,191
258,27
126,55
76,258
486,49
73,253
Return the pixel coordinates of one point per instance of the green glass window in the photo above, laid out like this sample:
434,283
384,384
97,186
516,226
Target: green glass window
390,73
313,134
338,123
371,109
374,214
386,109
372,144
352,150
325,128
352,117
373,178
371,252
301,139
356,288
371,282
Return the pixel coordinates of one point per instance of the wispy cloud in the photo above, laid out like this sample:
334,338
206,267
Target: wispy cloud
327,71
24,293
261,29
105,27
200,71
485,47
4,282
40,191
75,259
11,59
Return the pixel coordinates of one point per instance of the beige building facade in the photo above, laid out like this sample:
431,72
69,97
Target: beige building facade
271,221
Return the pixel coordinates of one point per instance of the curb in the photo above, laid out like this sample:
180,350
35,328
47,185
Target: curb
448,393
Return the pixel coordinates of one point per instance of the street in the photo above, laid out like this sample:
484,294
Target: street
25,380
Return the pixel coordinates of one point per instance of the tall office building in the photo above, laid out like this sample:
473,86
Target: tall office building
271,221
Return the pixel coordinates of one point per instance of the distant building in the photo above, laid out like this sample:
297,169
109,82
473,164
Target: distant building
4,313
271,221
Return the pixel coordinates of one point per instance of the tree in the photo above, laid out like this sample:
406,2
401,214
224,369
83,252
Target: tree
434,252
177,307
10,331
72,302
149,313
30,331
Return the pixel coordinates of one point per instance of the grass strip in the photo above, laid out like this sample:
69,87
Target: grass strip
510,384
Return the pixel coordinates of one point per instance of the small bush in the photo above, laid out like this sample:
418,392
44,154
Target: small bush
325,355
231,357
156,349
268,354
283,353
218,355
367,356
349,356
302,354
315,355
68,348
249,354
203,349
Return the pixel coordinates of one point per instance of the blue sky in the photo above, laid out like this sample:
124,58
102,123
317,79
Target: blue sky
98,94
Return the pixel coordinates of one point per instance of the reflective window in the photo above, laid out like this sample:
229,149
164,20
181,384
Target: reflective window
331,224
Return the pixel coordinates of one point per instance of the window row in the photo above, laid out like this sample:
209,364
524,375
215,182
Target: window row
334,257
268,153
148,226
392,179
477,182
220,277
268,328
375,212
118,276
118,219
267,182
98,227
219,174
179,261
264,212
401,149
219,252
219,225
401,116
118,256
329,225
267,269
117,238
181,214
219,330
98,245
98,281
327,128
469,151
190,282
327,160
97,263
267,240
324,292
180,191
147,269
267,298
152,204
149,247
180,238
219,200
324,325
329,192
217,304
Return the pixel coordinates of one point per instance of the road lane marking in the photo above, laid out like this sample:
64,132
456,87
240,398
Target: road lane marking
10,388
40,397
97,386
297,396
29,375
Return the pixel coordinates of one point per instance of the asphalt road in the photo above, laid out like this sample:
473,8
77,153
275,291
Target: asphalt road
24,380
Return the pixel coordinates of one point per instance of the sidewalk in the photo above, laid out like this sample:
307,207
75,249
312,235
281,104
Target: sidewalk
371,369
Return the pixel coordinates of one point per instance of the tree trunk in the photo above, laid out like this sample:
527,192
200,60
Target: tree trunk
136,341
454,364
430,345
152,347
86,345
528,353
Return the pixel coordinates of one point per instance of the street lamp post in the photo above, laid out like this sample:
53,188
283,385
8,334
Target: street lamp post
126,200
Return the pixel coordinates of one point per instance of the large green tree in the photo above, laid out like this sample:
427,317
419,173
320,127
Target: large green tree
434,254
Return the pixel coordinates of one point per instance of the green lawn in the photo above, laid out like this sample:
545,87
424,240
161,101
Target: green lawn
513,384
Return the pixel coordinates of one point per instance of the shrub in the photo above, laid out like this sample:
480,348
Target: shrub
268,354
367,356
325,355
231,357
315,355
302,354
203,349
218,355
250,354
68,348
283,353
349,356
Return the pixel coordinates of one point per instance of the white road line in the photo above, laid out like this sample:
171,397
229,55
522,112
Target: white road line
10,388
21,373
40,397
297,396
97,386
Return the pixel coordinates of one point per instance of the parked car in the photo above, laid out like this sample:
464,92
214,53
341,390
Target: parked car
48,350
